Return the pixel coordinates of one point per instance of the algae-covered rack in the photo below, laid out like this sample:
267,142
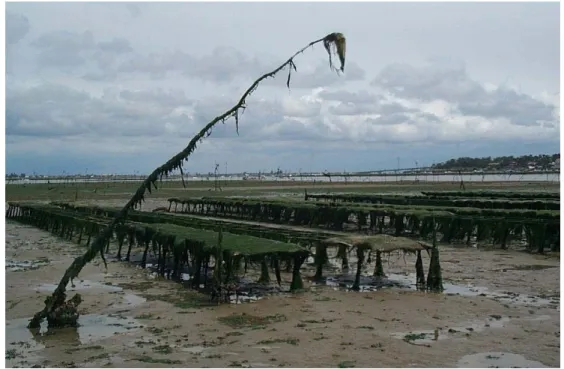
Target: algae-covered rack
386,244
188,246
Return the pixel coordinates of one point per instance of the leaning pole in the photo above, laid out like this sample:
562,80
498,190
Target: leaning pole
58,311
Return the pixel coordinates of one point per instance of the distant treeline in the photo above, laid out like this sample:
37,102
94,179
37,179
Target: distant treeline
502,162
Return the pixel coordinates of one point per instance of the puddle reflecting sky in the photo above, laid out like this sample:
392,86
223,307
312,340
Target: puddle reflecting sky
92,327
80,285
497,360
457,332
19,265
407,281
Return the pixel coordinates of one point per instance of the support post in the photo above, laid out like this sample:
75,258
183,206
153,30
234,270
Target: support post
420,272
297,283
264,275
277,269
321,259
360,260
434,278
342,253
379,268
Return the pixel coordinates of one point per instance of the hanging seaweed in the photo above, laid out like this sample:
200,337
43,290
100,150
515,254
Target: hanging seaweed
335,43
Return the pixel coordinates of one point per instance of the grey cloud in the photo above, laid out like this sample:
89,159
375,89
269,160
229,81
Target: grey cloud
99,76
223,65
323,76
63,48
391,119
17,27
428,117
521,109
157,65
116,46
56,111
42,111
134,9
452,84
170,98
392,108
108,52
294,130
428,83
70,50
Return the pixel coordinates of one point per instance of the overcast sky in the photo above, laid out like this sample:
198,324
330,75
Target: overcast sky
120,87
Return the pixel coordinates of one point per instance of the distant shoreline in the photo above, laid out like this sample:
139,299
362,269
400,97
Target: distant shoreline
289,176
297,181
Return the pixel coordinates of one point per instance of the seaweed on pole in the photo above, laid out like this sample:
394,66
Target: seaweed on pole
334,42
434,278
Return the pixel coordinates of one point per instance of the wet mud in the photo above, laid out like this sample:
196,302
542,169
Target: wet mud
131,318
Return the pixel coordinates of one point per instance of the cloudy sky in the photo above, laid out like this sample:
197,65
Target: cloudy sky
120,87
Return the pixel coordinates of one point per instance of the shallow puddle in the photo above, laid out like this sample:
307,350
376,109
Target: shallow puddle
367,283
497,360
458,332
22,265
502,297
80,286
407,281
24,345
131,300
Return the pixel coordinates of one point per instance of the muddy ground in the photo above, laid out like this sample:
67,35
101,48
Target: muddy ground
506,314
